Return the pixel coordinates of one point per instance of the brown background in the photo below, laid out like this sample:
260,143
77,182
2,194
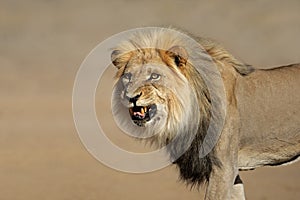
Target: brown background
42,44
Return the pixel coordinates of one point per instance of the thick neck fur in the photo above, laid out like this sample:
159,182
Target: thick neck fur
193,169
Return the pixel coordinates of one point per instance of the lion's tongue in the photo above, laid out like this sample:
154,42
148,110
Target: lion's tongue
139,115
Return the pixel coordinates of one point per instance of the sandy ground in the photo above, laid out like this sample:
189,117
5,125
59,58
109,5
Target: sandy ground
42,44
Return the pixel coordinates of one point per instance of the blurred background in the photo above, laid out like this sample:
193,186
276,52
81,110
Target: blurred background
42,44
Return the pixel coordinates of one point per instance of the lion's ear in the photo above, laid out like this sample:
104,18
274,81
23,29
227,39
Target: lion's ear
179,55
119,58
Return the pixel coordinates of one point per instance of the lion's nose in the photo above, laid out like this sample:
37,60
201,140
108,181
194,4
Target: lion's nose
134,99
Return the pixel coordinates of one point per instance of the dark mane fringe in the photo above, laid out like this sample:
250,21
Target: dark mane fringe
195,171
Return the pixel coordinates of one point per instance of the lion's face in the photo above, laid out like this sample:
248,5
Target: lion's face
144,93
152,94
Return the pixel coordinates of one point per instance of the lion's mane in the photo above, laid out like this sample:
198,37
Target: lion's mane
191,115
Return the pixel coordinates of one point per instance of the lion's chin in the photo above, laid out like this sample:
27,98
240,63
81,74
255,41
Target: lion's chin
140,115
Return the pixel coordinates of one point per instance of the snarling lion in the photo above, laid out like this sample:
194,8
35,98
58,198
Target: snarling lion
166,91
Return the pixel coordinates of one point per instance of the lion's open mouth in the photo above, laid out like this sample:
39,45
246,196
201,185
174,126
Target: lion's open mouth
142,114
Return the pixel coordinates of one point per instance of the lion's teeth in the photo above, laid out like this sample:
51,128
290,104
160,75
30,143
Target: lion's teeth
130,111
142,110
145,109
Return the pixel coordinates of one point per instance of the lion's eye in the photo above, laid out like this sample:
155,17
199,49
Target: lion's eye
127,76
154,76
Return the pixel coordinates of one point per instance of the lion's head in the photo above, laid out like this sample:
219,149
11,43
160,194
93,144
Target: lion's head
158,94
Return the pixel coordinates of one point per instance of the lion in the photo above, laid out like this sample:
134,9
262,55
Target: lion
161,96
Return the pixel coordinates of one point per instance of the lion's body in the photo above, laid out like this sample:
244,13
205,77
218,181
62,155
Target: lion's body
262,122
269,105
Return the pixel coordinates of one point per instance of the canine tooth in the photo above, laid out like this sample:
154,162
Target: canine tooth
142,110
145,109
130,111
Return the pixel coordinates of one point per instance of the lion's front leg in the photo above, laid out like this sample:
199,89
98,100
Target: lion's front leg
238,189
220,185
222,178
